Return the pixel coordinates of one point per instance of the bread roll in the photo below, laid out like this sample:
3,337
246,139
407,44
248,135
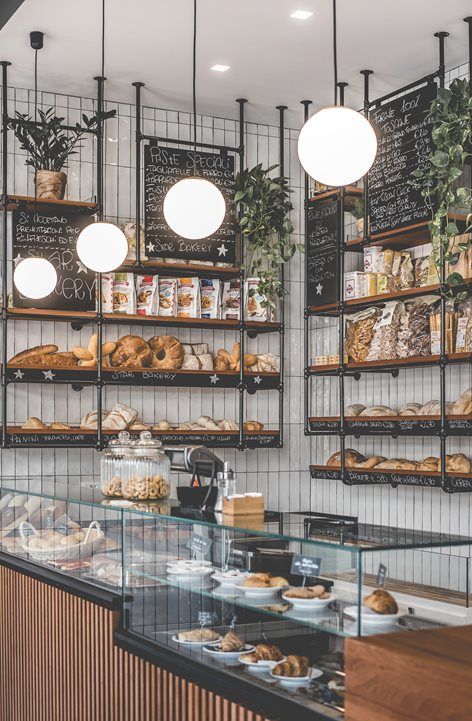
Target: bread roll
33,423
382,602
430,464
58,426
162,426
353,410
378,411
457,463
351,458
463,405
90,420
410,409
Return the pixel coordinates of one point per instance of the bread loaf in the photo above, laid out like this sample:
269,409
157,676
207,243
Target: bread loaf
131,352
371,462
430,464
382,602
410,409
397,464
119,418
190,363
432,408
378,411
351,458
37,350
353,410
457,463
463,405
167,352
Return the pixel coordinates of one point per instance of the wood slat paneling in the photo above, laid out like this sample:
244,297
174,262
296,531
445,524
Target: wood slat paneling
58,662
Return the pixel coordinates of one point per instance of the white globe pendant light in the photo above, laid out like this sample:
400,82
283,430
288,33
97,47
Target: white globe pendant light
35,278
337,146
102,247
194,208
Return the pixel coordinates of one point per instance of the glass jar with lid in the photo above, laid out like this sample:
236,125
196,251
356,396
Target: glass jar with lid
112,465
147,470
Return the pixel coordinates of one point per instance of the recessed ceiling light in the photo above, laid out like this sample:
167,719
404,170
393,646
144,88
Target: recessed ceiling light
301,14
220,68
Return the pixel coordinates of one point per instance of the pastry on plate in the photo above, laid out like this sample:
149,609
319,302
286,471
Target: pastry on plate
308,592
278,581
258,580
198,635
266,652
294,666
381,602
231,642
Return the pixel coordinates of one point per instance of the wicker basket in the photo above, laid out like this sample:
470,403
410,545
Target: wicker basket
60,553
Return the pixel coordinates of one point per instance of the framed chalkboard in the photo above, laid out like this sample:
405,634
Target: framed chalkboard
53,235
165,166
322,253
404,144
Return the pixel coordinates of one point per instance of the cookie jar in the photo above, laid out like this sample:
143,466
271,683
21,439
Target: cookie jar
111,465
147,470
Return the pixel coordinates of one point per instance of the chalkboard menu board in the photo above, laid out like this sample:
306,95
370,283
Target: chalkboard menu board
53,235
404,144
162,168
322,255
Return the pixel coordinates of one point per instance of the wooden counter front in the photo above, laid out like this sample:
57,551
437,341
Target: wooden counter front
410,676
59,662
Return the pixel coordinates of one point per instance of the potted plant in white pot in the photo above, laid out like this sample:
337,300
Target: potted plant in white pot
49,145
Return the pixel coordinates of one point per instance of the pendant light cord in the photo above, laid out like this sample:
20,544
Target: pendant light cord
335,54
103,38
194,80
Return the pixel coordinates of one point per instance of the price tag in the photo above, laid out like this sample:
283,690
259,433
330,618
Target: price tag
381,574
233,622
199,544
305,565
206,618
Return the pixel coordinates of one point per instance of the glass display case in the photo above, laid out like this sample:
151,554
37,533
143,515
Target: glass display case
261,605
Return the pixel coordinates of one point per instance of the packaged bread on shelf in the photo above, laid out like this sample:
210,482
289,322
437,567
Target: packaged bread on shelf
188,298
168,296
384,342
463,339
359,333
210,292
147,295
231,300
124,298
129,229
419,337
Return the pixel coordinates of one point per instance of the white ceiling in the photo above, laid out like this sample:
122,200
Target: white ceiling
274,59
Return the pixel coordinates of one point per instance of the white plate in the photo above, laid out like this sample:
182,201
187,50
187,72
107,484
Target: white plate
193,572
196,643
229,580
256,592
226,655
371,618
259,665
297,680
188,563
309,604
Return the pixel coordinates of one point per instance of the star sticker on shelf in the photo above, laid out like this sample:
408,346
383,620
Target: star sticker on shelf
214,378
257,380
48,375
19,375
319,288
81,268
18,259
222,250
150,247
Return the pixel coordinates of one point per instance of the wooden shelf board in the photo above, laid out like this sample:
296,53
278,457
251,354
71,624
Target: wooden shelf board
397,295
73,430
350,190
394,363
15,200
390,418
408,236
385,471
43,367
179,267
51,313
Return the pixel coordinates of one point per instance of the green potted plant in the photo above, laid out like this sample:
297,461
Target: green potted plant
266,228
440,180
49,146
358,213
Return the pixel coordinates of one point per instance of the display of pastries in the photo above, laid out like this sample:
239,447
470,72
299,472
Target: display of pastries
456,463
293,666
231,642
381,602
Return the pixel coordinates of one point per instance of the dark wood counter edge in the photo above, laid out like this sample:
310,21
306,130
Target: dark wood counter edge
75,586
255,698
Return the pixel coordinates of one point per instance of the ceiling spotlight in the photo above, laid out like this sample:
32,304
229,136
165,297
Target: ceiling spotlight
301,14
35,278
220,68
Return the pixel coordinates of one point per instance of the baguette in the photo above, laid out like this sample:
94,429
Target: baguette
37,350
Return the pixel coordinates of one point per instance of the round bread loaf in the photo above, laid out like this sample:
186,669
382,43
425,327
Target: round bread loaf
429,464
410,409
353,410
351,458
457,463
167,351
463,405
378,411
131,352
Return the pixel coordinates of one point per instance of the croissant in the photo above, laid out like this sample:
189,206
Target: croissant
296,666
252,657
381,602
278,581
231,642
265,652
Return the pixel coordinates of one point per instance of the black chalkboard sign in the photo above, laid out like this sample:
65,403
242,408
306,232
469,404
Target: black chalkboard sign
305,565
199,544
404,144
381,575
322,255
162,168
53,235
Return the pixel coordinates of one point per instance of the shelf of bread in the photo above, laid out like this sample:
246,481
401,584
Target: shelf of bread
14,201
51,437
406,237
392,425
399,477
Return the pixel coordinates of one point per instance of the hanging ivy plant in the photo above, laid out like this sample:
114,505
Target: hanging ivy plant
438,180
264,204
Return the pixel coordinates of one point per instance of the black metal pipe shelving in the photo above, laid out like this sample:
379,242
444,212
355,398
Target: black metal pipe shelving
100,377
441,427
